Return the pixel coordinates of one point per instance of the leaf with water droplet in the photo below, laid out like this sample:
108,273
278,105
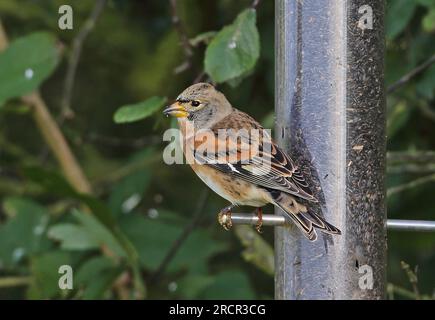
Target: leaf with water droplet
18,239
234,51
26,63
134,184
73,237
28,74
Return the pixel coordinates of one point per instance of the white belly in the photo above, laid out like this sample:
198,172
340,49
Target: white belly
248,194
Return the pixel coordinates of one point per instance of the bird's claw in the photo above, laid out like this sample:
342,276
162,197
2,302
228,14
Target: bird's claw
260,220
224,218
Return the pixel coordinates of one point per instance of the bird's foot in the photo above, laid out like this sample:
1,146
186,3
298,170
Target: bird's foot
259,224
224,218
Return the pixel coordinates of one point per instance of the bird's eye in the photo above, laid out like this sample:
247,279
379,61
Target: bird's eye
195,103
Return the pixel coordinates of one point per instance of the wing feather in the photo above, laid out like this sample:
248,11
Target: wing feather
267,165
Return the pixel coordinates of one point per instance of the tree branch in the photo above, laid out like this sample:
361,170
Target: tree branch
426,110
57,143
392,289
255,4
257,251
185,43
66,110
14,281
182,238
410,156
407,77
412,277
412,184
411,168
119,142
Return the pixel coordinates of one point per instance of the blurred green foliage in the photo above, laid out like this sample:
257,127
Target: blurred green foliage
233,51
118,239
26,63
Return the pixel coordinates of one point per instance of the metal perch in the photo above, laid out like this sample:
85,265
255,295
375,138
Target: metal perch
227,220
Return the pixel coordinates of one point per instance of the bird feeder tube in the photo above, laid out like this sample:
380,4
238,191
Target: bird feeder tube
330,118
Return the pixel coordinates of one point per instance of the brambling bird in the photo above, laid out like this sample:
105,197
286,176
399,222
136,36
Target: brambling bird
242,175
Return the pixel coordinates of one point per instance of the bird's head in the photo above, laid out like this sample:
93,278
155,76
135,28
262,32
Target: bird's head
200,103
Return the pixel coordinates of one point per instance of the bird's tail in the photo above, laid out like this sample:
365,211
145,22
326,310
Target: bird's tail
306,221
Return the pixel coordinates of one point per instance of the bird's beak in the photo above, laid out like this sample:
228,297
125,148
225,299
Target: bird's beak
176,110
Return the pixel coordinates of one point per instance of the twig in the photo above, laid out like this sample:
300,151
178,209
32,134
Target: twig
14,281
204,38
121,285
412,277
3,38
185,43
427,168
199,77
118,142
257,251
66,110
127,169
411,162
57,143
182,238
426,110
255,4
414,72
392,289
412,184
411,156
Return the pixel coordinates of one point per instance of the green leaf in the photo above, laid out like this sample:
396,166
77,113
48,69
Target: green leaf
72,237
257,250
399,14
23,233
230,284
397,116
26,63
106,229
190,286
196,251
153,238
426,3
105,232
100,233
235,82
128,193
96,276
426,85
45,272
55,184
235,49
139,111
269,120
205,37
91,268
428,21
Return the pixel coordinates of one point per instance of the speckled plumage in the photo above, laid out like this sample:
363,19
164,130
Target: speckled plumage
243,179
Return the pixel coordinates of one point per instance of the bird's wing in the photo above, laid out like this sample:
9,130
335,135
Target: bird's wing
250,156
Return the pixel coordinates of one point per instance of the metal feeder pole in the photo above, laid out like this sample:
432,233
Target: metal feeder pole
330,116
